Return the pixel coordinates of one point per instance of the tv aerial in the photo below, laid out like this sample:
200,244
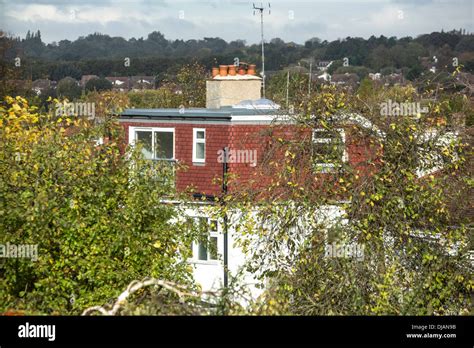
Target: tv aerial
262,9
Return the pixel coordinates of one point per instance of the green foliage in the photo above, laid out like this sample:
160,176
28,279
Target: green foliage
155,55
68,88
163,97
191,80
94,212
395,203
366,88
361,71
100,84
189,90
297,86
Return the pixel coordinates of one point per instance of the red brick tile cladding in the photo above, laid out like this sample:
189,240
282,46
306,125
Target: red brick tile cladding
200,176
239,137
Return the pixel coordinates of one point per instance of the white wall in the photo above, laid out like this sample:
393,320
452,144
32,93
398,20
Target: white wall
210,274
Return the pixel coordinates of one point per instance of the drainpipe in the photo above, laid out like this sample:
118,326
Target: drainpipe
224,193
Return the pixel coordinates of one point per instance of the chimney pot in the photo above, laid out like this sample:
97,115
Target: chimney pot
251,69
223,70
232,71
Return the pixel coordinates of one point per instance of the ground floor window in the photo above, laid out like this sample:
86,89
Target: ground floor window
206,249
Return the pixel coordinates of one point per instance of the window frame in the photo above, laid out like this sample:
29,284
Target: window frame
196,244
328,167
200,141
133,139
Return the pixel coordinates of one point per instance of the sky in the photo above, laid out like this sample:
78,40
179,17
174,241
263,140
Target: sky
295,21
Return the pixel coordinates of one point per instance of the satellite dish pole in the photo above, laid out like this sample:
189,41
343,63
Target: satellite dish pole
261,9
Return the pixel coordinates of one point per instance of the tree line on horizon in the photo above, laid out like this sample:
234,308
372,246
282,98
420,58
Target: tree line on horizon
103,55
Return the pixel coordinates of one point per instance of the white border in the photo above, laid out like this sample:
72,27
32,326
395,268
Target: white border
132,136
345,155
201,141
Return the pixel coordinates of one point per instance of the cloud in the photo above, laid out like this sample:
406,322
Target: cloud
233,19
73,14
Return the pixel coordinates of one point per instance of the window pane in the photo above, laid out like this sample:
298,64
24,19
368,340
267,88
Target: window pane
323,134
331,150
164,145
203,226
144,138
200,151
199,134
213,226
202,252
213,248
327,153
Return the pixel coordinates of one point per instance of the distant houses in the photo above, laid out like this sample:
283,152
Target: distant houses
41,85
322,72
132,83
119,83
143,82
350,80
87,78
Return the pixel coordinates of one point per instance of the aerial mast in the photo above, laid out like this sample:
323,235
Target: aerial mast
262,9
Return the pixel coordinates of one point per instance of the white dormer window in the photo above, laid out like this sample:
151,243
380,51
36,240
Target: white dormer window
199,145
329,149
157,143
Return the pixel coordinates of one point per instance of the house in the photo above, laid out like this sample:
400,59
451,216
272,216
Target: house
394,79
87,78
127,83
228,136
227,133
120,83
142,82
375,76
350,80
324,77
40,85
324,65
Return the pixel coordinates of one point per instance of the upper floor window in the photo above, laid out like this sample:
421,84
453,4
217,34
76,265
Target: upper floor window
329,148
199,145
157,143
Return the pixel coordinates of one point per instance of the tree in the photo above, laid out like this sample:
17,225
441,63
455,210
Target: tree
68,88
100,84
361,71
93,213
400,214
60,71
7,70
414,72
192,81
164,97
297,88
366,89
312,43
466,44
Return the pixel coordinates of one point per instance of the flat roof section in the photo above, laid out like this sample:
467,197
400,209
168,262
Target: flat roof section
222,114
